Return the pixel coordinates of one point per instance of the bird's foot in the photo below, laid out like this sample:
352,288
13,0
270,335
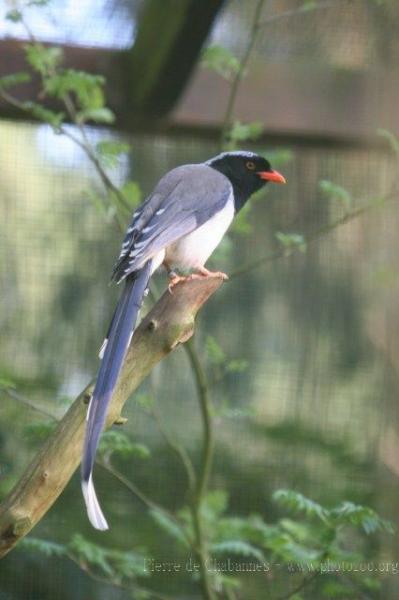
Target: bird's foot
202,273
175,279
215,274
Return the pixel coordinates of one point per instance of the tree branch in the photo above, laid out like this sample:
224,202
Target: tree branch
315,235
205,469
253,34
168,324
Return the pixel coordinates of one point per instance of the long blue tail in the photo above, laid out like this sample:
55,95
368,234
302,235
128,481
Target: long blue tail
119,336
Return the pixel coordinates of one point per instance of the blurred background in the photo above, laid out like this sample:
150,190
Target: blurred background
313,404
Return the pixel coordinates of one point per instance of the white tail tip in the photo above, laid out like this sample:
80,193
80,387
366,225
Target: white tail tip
102,349
94,511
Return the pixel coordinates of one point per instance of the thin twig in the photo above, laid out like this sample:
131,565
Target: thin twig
305,9
138,493
179,450
315,235
206,465
27,402
116,583
304,583
206,414
253,33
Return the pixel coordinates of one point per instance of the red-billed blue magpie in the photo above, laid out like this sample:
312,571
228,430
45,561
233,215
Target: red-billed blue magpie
179,225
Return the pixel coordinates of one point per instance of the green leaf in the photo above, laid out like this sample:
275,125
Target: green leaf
15,15
128,565
42,59
222,61
391,138
309,5
38,2
43,546
242,132
170,526
289,240
87,88
14,79
296,502
238,547
280,157
145,401
87,552
237,365
360,516
116,442
336,589
214,352
336,192
132,193
109,151
98,115
44,114
7,384
215,504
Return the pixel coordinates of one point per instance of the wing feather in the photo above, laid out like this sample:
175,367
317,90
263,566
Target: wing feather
183,200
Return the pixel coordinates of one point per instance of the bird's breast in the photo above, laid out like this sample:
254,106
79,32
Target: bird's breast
193,250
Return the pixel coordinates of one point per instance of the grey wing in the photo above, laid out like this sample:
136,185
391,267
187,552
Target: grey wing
182,201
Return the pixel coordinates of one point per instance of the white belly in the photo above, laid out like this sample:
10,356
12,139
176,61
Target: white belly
193,250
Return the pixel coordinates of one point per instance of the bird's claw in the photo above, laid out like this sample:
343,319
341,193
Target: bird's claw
201,274
175,279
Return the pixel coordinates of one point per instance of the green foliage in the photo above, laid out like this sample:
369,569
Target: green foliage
215,353
43,59
45,547
110,151
6,383
117,566
242,132
238,547
38,2
292,240
114,564
237,365
222,61
145,401
132,193
220,364
14,79
391,138
309,5
14,15
116,442
348,513
99,115
280,157
170,526
296,502
336,192
54,119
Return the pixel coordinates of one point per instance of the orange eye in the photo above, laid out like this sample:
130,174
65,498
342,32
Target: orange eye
250,165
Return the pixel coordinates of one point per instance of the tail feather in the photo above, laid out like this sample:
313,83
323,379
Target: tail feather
119,337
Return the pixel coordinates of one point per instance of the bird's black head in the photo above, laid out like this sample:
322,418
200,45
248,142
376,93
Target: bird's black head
248,172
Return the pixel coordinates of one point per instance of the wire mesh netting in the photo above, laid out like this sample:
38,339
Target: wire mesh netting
316,403
311,402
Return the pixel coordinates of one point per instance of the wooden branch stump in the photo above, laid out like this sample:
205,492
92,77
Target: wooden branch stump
169,323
